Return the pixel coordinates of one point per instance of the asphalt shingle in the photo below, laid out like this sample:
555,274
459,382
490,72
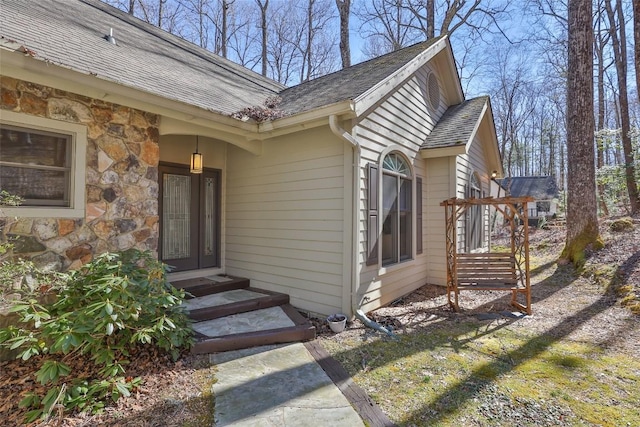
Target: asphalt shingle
456,125
348,83
72,34
538,187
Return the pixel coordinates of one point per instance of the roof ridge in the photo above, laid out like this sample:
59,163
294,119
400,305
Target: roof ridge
368,61
187,46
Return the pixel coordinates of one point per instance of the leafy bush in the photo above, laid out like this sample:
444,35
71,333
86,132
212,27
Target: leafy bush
6,199
104,310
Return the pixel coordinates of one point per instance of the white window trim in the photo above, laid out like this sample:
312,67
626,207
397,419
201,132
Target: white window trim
384,269
484,212
78,135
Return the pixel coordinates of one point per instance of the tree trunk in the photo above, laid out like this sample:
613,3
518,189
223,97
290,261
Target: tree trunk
223,30
263,26
132,4
620,55
636,41
582,211
431,18
344,7
309,37
600,42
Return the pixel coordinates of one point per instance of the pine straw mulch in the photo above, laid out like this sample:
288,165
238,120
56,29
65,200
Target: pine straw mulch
171,393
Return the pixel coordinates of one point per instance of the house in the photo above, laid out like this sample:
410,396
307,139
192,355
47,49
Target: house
542,188
335,204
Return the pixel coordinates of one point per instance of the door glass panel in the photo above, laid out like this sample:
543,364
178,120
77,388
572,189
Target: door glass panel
209,216
176,216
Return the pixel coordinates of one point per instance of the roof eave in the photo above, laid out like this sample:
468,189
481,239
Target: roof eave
379,91
38,70
496,158
433,153
306,120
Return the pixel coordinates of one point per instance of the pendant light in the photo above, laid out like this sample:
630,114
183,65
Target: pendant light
196,160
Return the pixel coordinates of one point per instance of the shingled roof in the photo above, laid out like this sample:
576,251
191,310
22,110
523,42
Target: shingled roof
538,187
348,83
457,124
72,34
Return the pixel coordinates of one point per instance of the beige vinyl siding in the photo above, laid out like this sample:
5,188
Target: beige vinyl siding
439,173
402,122
285,218
473,162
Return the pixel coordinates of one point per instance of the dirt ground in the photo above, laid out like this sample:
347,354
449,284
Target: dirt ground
564,303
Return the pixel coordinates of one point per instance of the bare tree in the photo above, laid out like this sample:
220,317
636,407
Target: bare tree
285,49
601,40
582,211
478,15
318,45
513,101
636,42
243,43
263,5
619,41
224,37
387,25
344,11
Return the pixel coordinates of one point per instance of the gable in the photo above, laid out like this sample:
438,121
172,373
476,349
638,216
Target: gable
459,127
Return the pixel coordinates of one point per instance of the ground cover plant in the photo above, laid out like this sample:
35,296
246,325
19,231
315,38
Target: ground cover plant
575,361
99,316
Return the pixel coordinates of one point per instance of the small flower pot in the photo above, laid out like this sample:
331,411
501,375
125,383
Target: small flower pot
337,322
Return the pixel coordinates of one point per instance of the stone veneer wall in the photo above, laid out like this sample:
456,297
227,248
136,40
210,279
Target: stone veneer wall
121,180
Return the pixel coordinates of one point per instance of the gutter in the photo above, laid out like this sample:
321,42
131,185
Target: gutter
355,274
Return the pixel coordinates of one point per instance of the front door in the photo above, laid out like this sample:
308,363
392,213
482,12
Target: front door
189,217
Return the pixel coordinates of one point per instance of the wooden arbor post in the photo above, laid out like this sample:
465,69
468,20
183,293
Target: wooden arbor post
495,271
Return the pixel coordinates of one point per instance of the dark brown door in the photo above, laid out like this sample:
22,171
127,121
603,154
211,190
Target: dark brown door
189,217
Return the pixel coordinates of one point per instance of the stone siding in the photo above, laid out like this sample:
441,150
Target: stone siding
121,180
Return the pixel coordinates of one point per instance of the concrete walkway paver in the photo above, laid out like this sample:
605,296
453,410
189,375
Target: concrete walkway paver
277,385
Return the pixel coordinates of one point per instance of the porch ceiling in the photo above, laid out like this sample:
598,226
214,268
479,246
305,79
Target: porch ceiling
248,141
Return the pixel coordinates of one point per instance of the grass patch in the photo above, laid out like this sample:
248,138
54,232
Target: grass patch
454,375
203,406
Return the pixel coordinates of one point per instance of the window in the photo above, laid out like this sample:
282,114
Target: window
396,210
474,218
433,91
43,161
36,165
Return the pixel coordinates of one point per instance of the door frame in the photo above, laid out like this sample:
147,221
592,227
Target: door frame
197,205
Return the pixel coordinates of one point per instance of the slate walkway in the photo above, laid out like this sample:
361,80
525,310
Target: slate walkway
277,385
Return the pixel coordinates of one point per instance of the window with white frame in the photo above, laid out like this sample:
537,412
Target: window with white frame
396,209
474,216
43,161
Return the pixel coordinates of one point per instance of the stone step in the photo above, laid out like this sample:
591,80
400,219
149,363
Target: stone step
231,302
273,325
202,286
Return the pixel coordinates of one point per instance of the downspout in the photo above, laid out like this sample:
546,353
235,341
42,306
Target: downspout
355,274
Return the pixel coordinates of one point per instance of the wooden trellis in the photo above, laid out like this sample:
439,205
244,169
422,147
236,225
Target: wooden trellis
495,271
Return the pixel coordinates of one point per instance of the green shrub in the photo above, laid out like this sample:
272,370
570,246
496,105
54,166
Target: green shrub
102,311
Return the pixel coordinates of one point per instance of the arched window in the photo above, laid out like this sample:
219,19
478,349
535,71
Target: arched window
475,217
396,209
